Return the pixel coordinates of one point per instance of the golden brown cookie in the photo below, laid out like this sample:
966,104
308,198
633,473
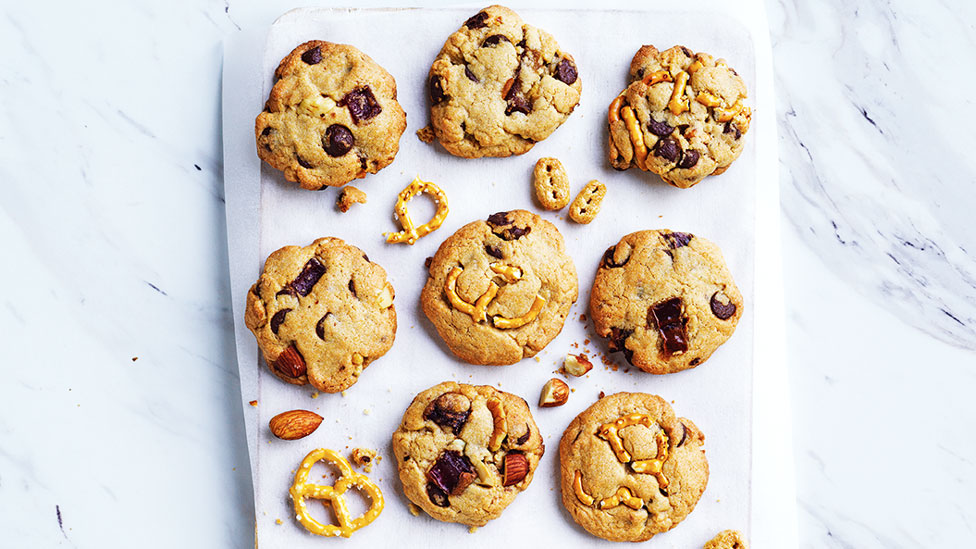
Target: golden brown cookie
728,539
464,452
665,299
500,290
630,469
321,314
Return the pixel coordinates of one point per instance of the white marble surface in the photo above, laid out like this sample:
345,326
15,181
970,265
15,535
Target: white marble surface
114,247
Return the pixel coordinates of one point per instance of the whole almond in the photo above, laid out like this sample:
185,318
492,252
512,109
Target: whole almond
290,363
516,467
554,393
294,424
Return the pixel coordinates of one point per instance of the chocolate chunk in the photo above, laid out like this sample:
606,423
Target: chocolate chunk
277,319
338,140
695,361
437,496
514,233
524,438
361,103
352,288
303,163
730,127
320,326
437,95
566,72
618,337
678,240
494,40
493,251
366,257
477,20
688,159
312,56
722,306
660,129
684,435
287,290
427,262
450,410
516,101
470,75
499,218
687,52
311,273
670,323
667,149
267,130
664,492
452,472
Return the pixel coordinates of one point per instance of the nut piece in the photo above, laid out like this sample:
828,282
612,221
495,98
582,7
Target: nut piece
587,203
554,393
364,458
577,365
294,424
516,467
551,184
290,363
350,195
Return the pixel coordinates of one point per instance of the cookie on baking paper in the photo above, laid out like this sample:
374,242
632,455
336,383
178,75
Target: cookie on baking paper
728,539
332,116
683,116
321,314
500,290
464,452
630,469
665,299
499,85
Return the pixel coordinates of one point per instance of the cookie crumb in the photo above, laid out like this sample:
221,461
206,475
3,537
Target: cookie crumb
135,358
253,403
348,196
602,394
414,510
577,365
426,134
315,394
343,394
582,317
472,529
728,539
277,521
364,458
537,359
365,411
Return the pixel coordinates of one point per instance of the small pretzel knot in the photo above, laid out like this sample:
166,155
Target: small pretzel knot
411,233
333,495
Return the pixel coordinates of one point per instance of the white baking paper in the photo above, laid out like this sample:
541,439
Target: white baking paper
265,212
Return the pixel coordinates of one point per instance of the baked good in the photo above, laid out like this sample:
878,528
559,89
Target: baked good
499,85
499,290
682,116
665,299
464,452
630,469
332,116
550,183
587,203
321,314
728,539
348,196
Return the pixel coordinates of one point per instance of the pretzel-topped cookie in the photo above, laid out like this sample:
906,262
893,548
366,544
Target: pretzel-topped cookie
333,495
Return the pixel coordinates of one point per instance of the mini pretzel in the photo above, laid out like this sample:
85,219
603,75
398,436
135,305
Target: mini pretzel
709,100
679,103
499,421
476,309
510,323
657,76
580,492
636,137
654,466
333,495
410,233
509,273
613,114
609,433
622,496
726,114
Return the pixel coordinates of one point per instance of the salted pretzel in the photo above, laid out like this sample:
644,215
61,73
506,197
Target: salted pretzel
411,233
477,310
333,495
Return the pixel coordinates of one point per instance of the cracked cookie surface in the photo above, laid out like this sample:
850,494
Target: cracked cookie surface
682,117
499,290
630,469
499,85
332,116
665,299
321,314
465,452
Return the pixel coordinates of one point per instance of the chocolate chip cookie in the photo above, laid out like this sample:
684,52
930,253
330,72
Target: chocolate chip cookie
500,290
464,452
683,116
499,86
321,314
332,116
665,299
630,469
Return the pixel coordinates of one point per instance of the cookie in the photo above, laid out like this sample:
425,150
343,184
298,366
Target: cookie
498,86
587,203
727,539
551,184
683,116
321,314
332,116
665,299
499,290
464,452
630,469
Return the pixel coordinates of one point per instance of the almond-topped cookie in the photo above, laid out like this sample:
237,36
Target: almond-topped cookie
332,116
465,452
321,314
499,85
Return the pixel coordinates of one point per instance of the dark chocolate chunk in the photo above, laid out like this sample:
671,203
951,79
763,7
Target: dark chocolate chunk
566,72
470,75
514,233
452,472
287,290
493,251
352,288
695,361
450,410
667,149
437,496
494,40
499,218
660,129
311,273
267,130
277,319
338,140
688,159
303,163
362,104
731,127
477,20
366,257
608,261
312,56
678,240
617,338
516,101
427,262
437,95
722,308
670,323
320,326
687,52
524,438
684,434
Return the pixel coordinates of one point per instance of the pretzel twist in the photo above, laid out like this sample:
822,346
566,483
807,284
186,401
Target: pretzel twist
411,233
333,495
